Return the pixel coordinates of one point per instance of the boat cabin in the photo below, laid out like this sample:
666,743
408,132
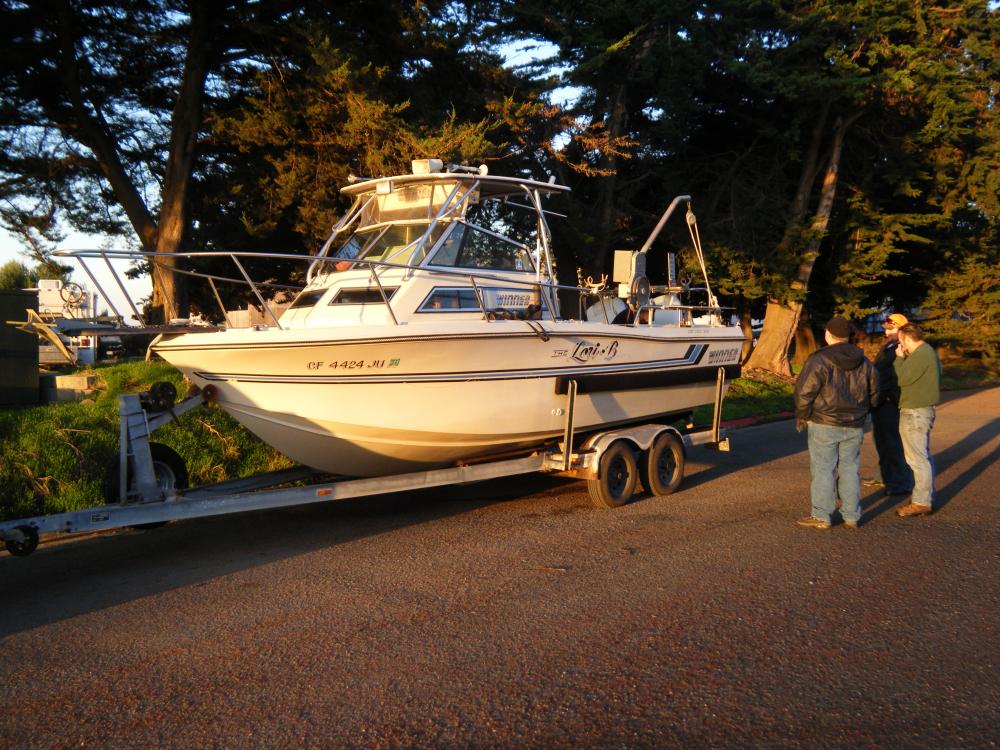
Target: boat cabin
432,243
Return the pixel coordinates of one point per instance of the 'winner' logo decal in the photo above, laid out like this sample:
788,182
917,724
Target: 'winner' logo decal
588,352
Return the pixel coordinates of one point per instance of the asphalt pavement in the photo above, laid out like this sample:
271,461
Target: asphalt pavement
515,614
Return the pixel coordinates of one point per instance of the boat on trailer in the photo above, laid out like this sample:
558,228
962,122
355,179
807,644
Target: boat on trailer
430,333
428,348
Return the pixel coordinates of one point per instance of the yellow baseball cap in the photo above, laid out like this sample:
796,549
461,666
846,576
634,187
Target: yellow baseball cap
896,320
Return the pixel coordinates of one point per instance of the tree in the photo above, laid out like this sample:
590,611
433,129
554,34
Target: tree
14,275
420,84
91,95
103,108
891,68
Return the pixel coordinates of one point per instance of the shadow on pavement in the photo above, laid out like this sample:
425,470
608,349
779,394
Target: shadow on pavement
751,447
951,454
950,491
876,505
64,580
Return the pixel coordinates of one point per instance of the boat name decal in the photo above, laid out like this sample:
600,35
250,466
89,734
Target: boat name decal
719,356
353,364
586,351
515,300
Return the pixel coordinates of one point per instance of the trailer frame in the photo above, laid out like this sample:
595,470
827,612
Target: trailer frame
144,500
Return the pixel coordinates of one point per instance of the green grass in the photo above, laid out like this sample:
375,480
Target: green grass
53,458
963,374
751,398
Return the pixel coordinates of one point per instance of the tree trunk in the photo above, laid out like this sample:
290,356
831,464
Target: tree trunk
89,126
169,298
782,318
771,352
805,340
746,325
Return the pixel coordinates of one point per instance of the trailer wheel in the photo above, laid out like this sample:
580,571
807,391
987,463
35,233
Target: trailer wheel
168,468
616,477
661,468
25,548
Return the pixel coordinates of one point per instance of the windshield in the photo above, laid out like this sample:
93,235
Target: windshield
473,247
395,243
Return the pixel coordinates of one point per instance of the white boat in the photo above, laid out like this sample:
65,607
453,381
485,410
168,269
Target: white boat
430,333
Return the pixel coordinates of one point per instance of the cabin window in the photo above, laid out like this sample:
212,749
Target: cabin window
308,298
464,299
371,296
451,300
499,217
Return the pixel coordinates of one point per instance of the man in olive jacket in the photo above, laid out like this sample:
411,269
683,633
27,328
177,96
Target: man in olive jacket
918,372
834,393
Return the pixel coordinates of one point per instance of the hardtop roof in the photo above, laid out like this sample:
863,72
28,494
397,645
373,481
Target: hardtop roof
490,186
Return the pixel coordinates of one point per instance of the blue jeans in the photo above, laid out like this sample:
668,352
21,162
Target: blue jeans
892,467
834,460
915,429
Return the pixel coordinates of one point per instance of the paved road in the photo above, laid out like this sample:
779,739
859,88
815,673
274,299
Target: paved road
514,614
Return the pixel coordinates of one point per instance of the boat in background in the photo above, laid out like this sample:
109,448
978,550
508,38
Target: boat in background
429,333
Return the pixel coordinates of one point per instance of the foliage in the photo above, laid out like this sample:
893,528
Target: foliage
333,119
53,458
14,275
735,103
962,308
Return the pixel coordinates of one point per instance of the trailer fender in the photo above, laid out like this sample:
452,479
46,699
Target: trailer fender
640,437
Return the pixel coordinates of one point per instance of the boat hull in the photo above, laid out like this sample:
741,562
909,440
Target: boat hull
389,402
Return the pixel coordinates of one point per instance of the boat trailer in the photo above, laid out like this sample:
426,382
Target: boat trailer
149,487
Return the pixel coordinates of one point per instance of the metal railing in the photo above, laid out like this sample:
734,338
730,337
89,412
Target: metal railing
472,278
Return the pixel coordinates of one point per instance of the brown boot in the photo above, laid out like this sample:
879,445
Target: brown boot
912,509
811,522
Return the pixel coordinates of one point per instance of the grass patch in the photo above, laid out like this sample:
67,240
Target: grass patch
959,371
762,398
962,378
53,458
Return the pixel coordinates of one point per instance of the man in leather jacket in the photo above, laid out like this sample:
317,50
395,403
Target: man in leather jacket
836,389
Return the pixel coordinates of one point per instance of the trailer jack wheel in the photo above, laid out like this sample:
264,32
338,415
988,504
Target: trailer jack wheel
26,547
616,477
168,467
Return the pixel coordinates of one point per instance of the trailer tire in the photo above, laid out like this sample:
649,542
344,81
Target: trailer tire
616,477
168,467
25,548
661,468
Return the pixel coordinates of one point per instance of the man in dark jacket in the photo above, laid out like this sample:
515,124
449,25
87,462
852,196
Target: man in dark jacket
834,393
893,473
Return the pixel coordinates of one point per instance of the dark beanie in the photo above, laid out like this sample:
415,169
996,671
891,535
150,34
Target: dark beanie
839,327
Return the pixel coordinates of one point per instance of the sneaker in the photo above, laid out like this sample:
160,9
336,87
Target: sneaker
873,482
913,509
813,523
850,523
